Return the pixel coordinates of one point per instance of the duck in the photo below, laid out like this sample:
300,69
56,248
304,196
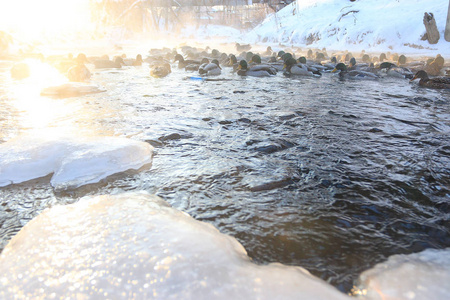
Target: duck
254,71
79,72
210,69
352,64
135,62
256,61
435,66
241,48
223,58
366,58
352,74
393,70
293,67
433,83
194,67
268,51
231,62
183,63
160,69
401,60
329,65
312,66
61,63
106,63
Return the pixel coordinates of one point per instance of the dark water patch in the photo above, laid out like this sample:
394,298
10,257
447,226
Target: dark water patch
275,146
396,96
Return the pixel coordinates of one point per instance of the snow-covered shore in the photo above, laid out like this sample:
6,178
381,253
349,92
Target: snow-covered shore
370,25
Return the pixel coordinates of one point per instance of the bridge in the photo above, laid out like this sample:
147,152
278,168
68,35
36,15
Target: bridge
148,15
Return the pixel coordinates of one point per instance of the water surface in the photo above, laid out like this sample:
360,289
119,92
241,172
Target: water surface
330,175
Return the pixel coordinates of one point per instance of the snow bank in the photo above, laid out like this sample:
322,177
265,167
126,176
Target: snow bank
424,275
73,162
371,25
135,246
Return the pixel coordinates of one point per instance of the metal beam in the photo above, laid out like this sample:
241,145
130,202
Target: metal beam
187,3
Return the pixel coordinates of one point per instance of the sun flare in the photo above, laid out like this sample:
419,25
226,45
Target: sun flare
31,19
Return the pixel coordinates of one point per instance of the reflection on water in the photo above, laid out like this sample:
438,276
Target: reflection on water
331,175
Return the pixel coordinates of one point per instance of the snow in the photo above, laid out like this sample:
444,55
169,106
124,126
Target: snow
73,161
370,25
135,246
337,25
424,275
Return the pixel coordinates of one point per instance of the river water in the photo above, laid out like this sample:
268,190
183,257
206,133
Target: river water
334,176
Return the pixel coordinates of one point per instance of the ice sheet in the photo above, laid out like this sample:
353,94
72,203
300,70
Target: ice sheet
73,161
135,246
424,275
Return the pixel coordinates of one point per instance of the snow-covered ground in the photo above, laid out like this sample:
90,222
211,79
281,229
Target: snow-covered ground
370,25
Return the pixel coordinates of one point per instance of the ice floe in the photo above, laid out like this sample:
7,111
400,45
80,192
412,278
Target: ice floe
70,90
72,161
424,275
135,246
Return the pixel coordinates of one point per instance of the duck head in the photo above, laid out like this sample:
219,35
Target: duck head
119,61
216,62
421,75
286,56
302,60
386,65
256,59
178,57
401,60
340,67
243,65
249,56
289,63
81,59
233,59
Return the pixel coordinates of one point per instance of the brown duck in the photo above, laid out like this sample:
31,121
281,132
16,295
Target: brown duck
434,83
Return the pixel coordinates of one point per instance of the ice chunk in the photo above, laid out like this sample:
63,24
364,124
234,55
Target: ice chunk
74,161
424,275
72,89
135,246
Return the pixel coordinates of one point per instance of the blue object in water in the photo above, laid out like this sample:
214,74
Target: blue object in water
195,78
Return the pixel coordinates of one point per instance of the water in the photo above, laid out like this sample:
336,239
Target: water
331,175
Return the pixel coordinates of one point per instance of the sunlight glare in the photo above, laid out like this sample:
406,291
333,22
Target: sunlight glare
32,19
39,112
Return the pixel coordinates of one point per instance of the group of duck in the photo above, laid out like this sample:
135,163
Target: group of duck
208,63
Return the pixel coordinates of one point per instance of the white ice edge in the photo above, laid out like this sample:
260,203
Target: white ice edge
73,161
